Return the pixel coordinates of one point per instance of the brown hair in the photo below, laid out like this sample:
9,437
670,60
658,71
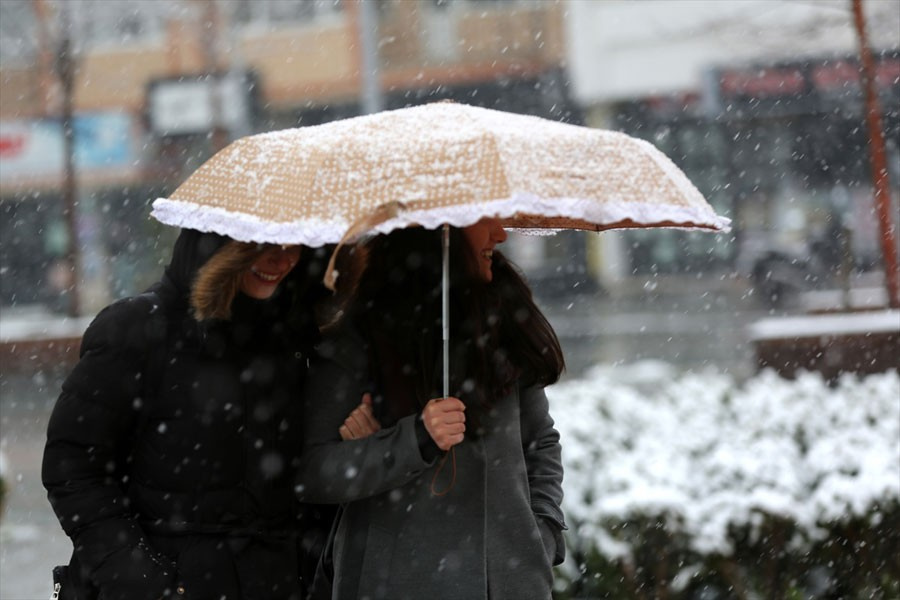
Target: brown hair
218,281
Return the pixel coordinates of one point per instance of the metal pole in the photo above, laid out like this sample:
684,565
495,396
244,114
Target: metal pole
65,71
878,161
445,306
210,37
367,29
46,57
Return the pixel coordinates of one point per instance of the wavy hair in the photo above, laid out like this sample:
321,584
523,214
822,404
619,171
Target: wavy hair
219,279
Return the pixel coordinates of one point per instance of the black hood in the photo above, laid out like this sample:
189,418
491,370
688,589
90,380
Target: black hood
290,309
192,250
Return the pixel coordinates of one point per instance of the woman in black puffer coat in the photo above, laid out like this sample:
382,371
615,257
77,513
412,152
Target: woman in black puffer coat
171,450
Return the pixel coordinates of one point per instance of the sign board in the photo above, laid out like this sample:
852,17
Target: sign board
821,85
189,105
35,148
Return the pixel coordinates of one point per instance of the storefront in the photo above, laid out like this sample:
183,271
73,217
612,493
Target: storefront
111,211
782,149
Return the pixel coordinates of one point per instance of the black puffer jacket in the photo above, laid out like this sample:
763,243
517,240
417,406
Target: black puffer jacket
171,449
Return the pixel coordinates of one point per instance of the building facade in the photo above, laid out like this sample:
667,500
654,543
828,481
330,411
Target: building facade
159,86
760,103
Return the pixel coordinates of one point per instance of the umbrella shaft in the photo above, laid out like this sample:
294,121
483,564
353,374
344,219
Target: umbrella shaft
445,307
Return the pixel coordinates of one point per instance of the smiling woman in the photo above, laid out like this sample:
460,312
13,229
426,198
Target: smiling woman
262,278
483,236
256,270
171,450
489,525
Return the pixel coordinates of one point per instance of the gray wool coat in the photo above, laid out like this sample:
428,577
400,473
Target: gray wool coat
495,534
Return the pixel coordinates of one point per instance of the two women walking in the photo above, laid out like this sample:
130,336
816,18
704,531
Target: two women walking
202,444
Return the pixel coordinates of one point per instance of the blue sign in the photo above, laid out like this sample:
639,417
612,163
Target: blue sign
103,140
34,148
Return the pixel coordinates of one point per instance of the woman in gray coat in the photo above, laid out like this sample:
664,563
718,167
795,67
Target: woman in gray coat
454,497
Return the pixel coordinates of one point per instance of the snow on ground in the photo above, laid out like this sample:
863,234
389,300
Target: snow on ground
25,325
648,440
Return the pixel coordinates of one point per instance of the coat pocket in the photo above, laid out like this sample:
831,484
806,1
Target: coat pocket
375,570
74,582
64,587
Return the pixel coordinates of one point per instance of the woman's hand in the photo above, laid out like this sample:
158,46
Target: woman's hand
445,421
361,423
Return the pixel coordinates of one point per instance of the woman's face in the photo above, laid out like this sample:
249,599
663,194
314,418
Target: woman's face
482,237
262,278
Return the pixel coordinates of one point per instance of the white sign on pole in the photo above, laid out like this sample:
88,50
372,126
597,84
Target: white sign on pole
188,106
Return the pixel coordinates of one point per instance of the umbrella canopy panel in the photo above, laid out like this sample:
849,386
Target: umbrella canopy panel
429,165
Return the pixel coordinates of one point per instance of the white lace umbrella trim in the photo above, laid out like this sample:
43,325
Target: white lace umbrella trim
524,211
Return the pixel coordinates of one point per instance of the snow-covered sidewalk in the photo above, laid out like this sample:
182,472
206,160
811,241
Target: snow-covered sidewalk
17,325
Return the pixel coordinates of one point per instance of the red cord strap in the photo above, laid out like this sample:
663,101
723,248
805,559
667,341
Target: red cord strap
452,455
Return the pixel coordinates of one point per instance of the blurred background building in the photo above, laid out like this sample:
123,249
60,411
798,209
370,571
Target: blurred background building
758,101
106,105
160,85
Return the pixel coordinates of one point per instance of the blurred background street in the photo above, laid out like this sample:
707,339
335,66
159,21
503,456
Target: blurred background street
107,105
695,323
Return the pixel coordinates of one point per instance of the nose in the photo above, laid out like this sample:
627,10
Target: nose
285,258
498,233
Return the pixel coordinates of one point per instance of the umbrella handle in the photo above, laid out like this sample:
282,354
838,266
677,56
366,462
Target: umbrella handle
357,229
445,307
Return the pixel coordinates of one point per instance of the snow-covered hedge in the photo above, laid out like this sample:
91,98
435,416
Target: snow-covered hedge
689,474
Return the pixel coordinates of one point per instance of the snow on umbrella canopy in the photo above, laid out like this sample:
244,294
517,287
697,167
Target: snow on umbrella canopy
441,163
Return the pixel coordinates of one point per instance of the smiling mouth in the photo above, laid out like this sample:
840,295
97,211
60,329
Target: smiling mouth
267,277
487,254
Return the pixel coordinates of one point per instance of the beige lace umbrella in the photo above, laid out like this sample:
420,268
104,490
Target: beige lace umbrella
432,165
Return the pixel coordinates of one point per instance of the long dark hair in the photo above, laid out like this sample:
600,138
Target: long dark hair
498,336
306,293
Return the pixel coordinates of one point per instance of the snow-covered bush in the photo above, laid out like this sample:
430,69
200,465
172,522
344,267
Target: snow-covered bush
679,481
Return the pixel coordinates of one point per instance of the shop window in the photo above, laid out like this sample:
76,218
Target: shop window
33,250
276,12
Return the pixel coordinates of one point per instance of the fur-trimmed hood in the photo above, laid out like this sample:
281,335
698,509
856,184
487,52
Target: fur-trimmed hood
192,250
217,283
292,306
